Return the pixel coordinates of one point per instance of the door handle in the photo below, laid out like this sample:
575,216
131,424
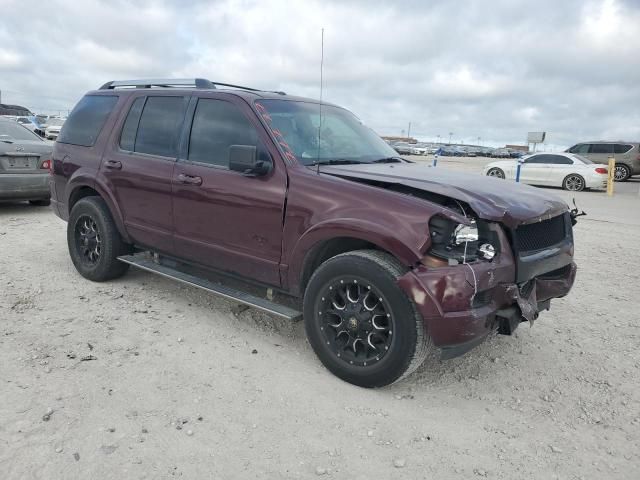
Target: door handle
189,179
113,165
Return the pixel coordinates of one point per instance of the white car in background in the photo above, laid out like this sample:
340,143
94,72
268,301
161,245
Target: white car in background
53,128
419,149
567,170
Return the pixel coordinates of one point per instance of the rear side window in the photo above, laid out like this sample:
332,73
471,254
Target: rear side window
128,136
601,148
621,148
159,126
87,119
216,126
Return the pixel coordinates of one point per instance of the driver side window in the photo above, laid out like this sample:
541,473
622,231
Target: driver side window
217,125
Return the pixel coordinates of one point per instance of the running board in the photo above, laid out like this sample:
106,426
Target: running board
143,262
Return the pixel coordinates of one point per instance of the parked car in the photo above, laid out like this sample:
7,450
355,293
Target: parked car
387,258
24,164
566,170
54,125
420,149
516,153
626,154
500,153
32,124
14,110
403,148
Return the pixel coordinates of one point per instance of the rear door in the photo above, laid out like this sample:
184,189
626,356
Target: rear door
600,152
139,166
560,167
222,218
536,169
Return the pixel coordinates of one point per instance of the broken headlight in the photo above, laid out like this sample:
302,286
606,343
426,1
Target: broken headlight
458,243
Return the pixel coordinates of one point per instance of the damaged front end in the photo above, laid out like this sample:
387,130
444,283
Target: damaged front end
489,278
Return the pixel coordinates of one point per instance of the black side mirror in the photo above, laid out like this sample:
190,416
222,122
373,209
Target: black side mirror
244,159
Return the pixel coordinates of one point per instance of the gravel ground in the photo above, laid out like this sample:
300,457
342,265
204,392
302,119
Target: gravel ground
145,378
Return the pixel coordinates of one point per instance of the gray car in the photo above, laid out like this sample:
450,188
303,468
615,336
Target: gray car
627,155
24,164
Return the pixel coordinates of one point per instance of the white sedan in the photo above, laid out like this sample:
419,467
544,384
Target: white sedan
53,128
566,170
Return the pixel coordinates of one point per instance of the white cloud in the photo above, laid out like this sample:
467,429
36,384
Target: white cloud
492,69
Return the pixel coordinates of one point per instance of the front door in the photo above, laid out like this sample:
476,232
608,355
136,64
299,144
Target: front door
139,167
222,218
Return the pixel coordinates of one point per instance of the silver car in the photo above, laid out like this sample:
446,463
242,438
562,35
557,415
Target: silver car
627,155
25,160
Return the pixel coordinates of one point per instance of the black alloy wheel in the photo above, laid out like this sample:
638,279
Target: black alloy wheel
356,325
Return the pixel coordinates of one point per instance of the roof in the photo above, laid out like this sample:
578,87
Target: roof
197,84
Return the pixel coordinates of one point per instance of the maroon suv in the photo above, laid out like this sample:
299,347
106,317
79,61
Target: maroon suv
389,258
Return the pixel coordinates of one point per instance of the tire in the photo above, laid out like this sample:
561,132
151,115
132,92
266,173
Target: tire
40,203
495,172
96,260
573,182
622,172
397,339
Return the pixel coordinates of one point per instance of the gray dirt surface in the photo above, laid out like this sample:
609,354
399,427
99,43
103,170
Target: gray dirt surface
180,387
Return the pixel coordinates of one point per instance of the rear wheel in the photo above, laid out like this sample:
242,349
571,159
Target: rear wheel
94,242
621,173
495,172
573,183
361,325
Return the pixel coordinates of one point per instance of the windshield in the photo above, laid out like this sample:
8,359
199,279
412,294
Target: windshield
16,131
343,138
55,122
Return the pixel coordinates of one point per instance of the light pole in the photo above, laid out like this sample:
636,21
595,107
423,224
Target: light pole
450,135
479,141
438,136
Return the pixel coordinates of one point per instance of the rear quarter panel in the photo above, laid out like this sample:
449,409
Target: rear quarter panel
77,166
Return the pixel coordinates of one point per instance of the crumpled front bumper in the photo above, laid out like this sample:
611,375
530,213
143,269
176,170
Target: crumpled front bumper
462,304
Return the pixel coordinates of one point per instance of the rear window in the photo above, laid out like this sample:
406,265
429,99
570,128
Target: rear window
87,119
15,131
583,159
621,148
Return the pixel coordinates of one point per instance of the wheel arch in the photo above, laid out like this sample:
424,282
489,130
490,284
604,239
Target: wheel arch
82,190
315,248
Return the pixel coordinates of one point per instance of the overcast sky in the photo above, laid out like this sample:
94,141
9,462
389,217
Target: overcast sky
489,69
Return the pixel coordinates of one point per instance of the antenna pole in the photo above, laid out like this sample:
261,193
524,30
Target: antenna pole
320,107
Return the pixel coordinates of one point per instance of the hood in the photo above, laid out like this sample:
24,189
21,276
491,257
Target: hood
490,198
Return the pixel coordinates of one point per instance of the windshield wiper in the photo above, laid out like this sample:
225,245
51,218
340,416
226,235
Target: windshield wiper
390,160
337,161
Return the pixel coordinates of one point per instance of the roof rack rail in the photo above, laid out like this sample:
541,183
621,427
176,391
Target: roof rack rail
159,82
177,82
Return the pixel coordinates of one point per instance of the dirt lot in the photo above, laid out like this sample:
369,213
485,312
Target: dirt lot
144,378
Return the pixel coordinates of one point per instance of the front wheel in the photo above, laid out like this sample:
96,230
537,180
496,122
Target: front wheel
360,323
94,242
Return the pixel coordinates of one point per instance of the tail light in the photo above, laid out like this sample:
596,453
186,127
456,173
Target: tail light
601,170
